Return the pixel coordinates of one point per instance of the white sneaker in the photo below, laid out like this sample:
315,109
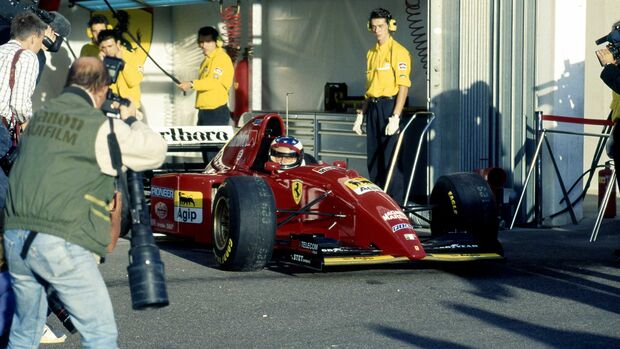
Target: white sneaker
49,337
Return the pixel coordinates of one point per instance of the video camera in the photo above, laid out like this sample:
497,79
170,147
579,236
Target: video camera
114,66
613,47
60,25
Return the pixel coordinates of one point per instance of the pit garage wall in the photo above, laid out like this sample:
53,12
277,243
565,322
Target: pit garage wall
308,43
493,63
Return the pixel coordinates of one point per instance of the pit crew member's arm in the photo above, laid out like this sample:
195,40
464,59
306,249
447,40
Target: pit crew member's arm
402,72
220,74
26,71
141,148
611,77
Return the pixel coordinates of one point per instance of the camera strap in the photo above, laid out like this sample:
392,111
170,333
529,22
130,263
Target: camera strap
116,157
11,125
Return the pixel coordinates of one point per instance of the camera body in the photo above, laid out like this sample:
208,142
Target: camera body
9,9
611,52
114,66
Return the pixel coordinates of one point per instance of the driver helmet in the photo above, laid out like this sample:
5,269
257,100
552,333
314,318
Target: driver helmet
286,151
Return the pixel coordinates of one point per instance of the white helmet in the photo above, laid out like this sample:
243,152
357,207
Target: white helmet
286,151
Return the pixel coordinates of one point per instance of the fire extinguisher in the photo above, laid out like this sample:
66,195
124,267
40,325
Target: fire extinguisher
604,179
242,85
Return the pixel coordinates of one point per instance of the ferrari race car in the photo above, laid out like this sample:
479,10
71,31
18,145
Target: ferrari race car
316,215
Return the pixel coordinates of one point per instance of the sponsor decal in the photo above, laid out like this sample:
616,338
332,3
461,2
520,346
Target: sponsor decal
394,215
196,134
401,226
410,237
457,246
416,248
309,245
239,155
322,170
218,71
161,210
300,258
361,185
402,66
188,206
453,202
257,122
297,190
160,192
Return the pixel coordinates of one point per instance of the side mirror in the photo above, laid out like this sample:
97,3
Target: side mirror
340,163
272,167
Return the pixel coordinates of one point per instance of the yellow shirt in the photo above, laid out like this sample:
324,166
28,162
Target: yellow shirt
128,83
90,50
215,78
388,66
615,106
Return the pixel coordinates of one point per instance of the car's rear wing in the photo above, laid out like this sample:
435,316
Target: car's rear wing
185,141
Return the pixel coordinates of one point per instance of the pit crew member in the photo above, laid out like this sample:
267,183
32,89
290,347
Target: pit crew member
215,78
96,25
128,83
388,66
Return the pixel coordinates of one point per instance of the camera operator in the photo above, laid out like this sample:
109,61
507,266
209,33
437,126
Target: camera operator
56,221
611,76
128,82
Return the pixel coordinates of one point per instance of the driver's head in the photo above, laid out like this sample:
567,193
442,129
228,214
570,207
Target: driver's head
286,151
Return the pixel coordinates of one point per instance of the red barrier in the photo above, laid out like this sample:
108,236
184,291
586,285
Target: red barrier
574,120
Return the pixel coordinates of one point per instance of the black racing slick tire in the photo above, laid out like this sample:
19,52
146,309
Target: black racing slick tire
464,202
244,224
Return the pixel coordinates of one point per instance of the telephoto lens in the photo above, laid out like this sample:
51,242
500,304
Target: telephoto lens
146,270
58,308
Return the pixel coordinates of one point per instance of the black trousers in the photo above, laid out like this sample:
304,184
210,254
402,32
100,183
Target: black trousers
380,148
219,116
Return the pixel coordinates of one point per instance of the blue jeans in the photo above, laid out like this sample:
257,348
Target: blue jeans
72,271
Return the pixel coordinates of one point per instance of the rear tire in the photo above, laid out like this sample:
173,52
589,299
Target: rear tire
244,224
464,202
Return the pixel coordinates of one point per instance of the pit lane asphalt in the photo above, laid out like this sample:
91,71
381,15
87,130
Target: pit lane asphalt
554,290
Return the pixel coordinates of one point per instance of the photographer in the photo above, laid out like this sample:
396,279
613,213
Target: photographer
56,221
611,76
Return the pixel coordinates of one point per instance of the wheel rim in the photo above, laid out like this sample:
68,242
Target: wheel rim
221,224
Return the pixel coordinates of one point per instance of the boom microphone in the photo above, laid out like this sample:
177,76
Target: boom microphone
60,24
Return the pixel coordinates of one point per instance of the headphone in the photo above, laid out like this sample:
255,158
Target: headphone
382,13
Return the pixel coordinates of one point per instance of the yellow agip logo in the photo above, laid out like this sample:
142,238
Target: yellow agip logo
188,206
188,199
297,190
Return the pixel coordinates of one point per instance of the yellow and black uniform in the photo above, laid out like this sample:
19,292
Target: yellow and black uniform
215,78
388,67
90,50
128,83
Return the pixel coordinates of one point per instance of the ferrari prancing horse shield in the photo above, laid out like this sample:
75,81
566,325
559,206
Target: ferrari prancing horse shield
297,190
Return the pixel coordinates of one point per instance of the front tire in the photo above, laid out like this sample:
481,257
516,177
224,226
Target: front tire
464,202
244,224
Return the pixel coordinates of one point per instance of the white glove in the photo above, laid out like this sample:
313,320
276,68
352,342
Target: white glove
392,125
357,125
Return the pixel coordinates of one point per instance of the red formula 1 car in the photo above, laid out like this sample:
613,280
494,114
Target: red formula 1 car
316,215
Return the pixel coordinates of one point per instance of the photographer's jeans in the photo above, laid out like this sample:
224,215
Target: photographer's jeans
73,273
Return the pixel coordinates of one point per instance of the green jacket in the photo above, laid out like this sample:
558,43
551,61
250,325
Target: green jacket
56,186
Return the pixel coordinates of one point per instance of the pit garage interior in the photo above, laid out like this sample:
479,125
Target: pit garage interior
483,67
